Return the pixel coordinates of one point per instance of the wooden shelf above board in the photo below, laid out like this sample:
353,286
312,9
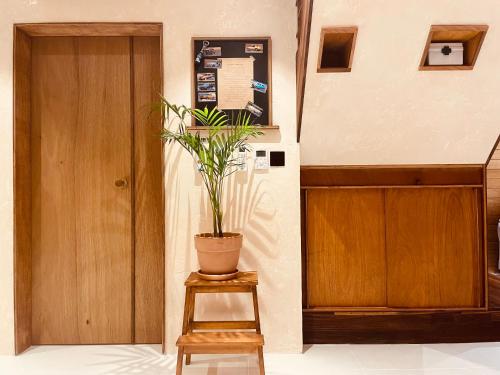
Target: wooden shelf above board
336,49
204,128
472,36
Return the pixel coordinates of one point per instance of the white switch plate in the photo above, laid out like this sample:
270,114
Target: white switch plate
261,159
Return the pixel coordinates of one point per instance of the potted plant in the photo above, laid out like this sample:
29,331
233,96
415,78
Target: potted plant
219,251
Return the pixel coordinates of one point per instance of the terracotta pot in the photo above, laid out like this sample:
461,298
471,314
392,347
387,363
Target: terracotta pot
218,255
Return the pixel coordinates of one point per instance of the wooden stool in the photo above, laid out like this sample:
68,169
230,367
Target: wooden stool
219,342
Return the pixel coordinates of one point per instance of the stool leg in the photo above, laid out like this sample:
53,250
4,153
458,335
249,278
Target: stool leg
256,309
192,303
261,361
180,354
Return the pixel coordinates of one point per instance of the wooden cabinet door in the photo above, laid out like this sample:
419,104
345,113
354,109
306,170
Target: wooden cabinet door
346,248
82,221
433,249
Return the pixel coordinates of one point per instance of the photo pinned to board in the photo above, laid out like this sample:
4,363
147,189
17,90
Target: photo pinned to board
259,86
212,51
206,86
207,97
254,109
254,48
205,77
212,63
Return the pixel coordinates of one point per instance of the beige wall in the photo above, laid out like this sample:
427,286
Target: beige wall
388,112
265,204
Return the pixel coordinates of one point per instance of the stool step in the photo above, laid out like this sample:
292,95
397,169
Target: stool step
214,339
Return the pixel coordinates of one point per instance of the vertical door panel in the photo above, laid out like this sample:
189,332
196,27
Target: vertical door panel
82,222
149,217
346,248
54,189
432,248
104,212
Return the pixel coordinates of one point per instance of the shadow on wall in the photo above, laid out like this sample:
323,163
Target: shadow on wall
248,208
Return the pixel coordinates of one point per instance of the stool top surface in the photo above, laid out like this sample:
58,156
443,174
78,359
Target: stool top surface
248,278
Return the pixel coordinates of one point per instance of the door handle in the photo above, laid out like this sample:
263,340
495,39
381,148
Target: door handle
121,183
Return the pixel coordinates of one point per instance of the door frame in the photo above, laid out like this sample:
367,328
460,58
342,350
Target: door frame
23,34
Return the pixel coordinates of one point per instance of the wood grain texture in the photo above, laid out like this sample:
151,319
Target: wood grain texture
416,328
219,342
91,29
215,338
492,219
104,151
304,16
242,279
148,187
82,256
54,132
346,248
22,191
433,251
391,175
472,36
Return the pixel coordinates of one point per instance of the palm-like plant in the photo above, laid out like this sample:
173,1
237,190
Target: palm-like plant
214,154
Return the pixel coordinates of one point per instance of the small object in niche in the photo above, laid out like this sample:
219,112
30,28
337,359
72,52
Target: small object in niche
206,86
212,51
205,77
259,86
277,158
212,63
199,55
207,97
446,54
254,48
254,109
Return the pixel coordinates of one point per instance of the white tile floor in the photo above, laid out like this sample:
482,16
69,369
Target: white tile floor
442,359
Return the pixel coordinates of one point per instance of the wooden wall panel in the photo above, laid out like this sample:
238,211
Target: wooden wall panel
401,328
22,190
346,248
433,251
149,211
492,218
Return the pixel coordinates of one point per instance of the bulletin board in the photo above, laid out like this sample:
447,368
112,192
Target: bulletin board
233,74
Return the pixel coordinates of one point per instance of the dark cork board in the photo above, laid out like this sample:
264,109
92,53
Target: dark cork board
234,48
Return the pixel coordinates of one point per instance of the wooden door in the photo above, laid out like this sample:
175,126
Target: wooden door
86,224
346,248
433,249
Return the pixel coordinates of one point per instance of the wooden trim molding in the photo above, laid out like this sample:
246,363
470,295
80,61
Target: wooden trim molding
399,328
91,29
391,175
22,191
304,13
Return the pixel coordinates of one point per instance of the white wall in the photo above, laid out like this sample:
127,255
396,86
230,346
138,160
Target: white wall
386,111
265,205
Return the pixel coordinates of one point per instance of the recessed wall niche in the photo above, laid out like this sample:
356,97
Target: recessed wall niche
472,37
336,49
